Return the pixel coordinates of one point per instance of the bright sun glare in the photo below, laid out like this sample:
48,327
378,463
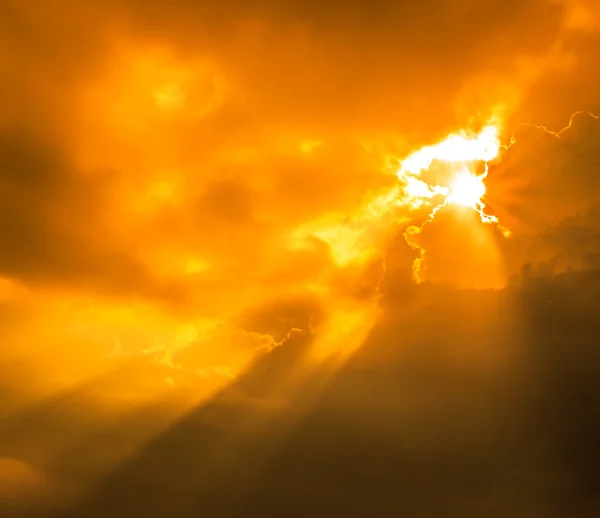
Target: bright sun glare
467,190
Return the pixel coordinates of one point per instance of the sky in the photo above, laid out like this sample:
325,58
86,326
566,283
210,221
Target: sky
330,258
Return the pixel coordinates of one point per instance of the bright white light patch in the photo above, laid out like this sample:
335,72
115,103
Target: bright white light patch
467,190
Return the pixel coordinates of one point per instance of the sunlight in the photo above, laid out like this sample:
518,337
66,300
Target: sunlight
467,190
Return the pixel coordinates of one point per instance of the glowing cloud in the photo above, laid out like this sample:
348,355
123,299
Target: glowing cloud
464,189
467,190
455,148
354,237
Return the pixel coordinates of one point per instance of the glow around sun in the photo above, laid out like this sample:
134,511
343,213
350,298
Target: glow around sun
460,156
464,188
467,190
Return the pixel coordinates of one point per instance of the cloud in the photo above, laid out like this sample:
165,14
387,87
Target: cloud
196,133
197,207
51,220
447,396
559,91
21,486
542,189
347,65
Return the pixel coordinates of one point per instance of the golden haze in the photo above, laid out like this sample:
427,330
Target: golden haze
259,209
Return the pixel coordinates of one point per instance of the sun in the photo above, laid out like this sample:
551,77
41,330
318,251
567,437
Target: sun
467,190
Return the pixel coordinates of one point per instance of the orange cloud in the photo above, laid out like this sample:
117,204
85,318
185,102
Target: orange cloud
183,185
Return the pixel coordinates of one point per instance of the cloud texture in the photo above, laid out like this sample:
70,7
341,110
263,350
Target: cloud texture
196,249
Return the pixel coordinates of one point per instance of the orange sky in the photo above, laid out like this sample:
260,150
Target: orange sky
188,187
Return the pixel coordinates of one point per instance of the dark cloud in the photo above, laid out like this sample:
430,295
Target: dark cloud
470,402
545,190
544,170
51,223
